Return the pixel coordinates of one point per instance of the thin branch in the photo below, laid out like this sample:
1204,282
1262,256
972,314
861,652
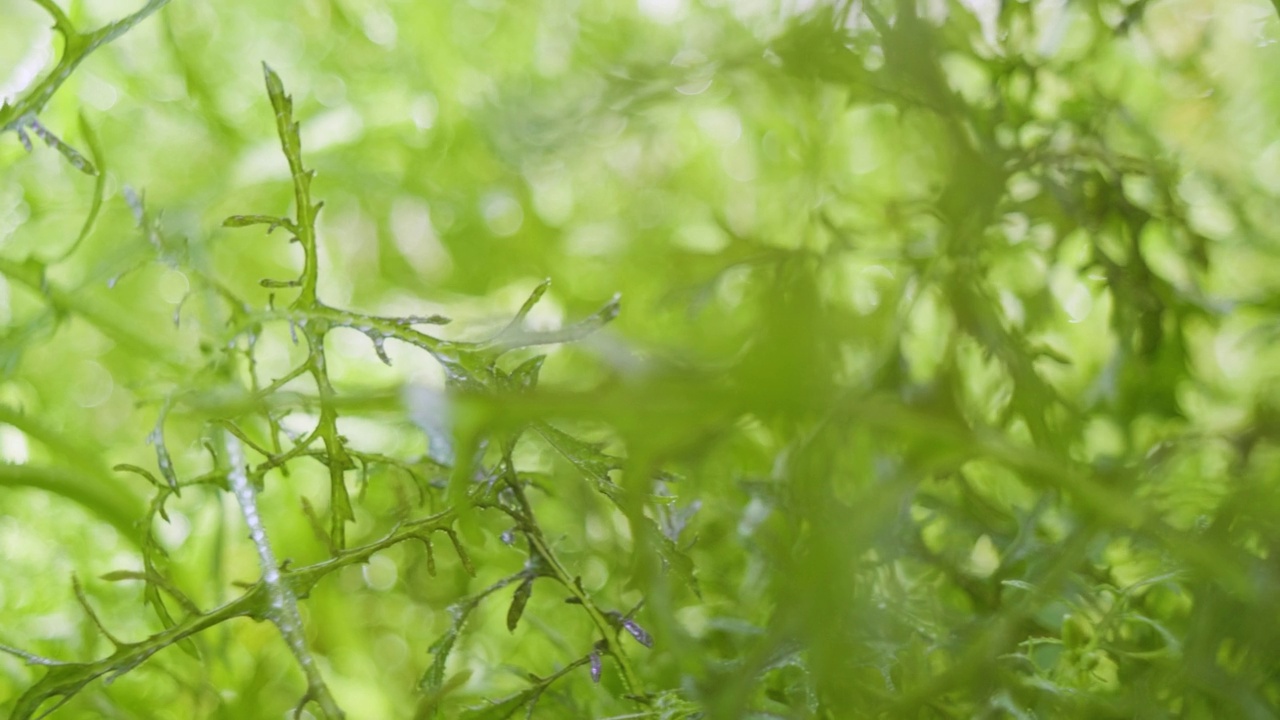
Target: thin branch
283,611
78,47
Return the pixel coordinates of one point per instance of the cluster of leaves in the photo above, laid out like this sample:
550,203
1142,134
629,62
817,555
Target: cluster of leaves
484,476
945,424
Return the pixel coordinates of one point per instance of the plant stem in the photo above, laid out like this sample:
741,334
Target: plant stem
283,611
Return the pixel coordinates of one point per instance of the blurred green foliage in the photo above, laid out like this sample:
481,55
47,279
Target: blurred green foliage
941,382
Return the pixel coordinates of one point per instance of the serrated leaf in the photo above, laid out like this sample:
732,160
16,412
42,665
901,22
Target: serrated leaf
677,561
671,706
433,678
590,460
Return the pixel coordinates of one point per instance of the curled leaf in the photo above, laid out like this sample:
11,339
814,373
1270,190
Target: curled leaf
146,474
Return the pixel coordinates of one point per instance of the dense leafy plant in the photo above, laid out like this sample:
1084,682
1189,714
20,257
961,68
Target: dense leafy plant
941,389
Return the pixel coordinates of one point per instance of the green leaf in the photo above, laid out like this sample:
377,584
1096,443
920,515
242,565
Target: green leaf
594,464
518,602
272,222
430,703
525,376
505,708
